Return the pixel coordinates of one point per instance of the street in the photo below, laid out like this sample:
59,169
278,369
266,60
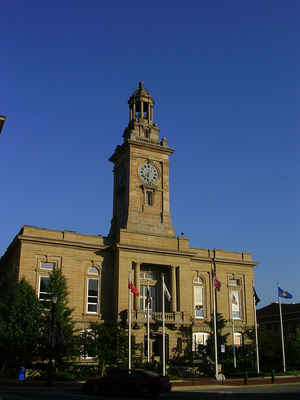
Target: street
262,392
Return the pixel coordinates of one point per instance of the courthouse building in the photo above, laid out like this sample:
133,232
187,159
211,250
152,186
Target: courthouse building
142,240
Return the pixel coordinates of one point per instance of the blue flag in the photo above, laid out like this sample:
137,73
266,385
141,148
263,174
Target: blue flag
284,294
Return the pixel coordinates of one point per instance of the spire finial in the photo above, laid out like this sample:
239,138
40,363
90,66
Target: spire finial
141,85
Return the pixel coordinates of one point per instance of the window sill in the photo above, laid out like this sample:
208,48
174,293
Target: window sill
91,314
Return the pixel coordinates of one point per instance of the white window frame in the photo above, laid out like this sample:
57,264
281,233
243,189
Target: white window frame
198,283
39,292
47,265
148,275
97,297
153,297
240,340
93,270
234,282
203,336
87,357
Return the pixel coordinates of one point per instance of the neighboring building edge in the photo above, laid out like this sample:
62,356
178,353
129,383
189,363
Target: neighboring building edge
269,319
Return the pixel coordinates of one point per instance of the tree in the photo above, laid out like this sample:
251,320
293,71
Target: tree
59,342
293,350
270,350
107,343
20,324
221,338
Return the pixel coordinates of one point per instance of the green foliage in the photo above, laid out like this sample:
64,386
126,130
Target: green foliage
221,338
29,331
83,372
150,366
270,350
293,350
20,324
58,341
107,343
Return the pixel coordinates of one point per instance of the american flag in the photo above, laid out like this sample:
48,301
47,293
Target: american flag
216,282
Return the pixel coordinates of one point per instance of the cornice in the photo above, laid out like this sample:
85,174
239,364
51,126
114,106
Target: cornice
64,243
121,148
123,246
225,261
145,249
153,146
185,254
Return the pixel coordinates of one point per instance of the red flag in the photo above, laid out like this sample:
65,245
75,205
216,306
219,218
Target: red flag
133,289
216,282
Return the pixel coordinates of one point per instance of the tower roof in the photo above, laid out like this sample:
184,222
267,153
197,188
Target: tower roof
141,91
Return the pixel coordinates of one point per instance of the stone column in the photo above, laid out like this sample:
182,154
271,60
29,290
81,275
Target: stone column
174,294
137,285
142,110
133,110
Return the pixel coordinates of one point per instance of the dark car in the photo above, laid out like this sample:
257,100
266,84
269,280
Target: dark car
133,382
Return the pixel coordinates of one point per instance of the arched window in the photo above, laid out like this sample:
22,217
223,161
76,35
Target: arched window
198,289
198,280
93,271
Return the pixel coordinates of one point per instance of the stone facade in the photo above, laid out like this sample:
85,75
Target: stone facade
141,242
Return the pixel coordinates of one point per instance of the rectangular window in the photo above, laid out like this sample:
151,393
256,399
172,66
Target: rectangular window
47,265
143,298
93,296
146,110
199,338
237,339
44,294
198,301
234,282
149,198
235,300
148,275
85,338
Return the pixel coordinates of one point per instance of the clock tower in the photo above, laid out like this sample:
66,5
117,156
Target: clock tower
141,173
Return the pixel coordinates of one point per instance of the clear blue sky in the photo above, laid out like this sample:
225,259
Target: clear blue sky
224,77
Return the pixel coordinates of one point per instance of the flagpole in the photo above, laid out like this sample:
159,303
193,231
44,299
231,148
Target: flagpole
163,325
129,322
233,346
282,337
215,320
256,336
148,326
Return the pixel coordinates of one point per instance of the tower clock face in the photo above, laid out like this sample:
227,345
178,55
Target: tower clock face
148,173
